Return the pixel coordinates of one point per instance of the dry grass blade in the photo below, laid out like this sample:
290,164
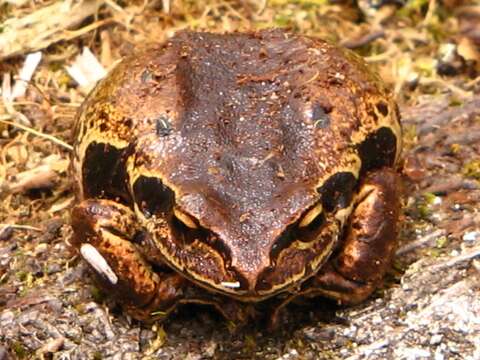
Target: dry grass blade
427,239
467,256
44,27
19,227
38,133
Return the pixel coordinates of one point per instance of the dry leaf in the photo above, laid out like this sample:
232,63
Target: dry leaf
86,70
44,26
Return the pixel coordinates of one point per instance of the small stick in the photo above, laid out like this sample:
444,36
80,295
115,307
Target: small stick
38,133
422,241
19,227
457,259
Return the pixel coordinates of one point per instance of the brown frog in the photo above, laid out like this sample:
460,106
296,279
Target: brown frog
234,168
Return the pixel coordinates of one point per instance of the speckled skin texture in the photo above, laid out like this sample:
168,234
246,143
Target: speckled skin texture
244,133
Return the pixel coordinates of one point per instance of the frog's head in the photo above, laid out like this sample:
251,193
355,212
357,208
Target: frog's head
247,152
246,184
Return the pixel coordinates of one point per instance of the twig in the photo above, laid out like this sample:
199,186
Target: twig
363,40
37,133
19,227
457,259
385,56
432,7
45,26
453,88
422,241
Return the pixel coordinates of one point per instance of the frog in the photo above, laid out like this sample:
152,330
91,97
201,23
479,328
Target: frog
237,169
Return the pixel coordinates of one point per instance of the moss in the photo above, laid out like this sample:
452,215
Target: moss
429,198
456,101
424,204
434,253
413,7
5,12
426,66
22,275
472,169
250,343
97,294
231,326
19,350
409,136
441,242
455,148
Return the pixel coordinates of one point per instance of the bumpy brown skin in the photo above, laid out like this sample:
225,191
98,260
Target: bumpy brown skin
243,133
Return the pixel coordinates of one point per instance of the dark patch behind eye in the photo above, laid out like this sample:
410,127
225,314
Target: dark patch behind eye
382,108
378,150
104,172
153,196
337,191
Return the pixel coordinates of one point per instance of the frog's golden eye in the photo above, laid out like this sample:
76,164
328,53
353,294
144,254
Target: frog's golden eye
306,229
186,219
310,216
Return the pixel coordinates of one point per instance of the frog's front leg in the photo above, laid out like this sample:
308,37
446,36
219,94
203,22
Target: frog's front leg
369,245
103,233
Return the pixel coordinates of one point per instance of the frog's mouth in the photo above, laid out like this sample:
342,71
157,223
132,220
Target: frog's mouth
204,248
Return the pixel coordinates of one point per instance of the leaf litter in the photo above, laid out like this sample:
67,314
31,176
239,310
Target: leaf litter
51,54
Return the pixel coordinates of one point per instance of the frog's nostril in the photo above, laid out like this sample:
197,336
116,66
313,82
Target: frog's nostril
98,262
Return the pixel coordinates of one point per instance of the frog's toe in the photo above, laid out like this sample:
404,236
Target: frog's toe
369,244
103,230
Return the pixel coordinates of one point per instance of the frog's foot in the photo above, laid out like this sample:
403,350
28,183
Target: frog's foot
103,233
369,245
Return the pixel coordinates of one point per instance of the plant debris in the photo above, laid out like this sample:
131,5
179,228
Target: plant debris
428,52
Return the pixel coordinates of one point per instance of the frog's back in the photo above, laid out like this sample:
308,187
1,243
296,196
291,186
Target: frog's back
228,101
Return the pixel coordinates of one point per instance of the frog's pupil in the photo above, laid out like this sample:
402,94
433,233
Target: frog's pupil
153,196
293,233
337,192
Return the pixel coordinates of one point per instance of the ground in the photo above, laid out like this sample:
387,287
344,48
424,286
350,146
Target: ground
428,308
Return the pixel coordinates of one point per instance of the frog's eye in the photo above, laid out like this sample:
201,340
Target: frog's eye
310,216
152,196
307,229
186,219
337,191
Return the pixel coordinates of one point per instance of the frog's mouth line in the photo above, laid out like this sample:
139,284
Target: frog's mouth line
200,254
313,241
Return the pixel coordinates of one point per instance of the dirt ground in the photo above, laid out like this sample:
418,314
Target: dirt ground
429,308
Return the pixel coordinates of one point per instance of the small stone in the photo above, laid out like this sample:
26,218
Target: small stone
41,248
471,236
437,200
436,339
438,354
414,353
6,232
4,353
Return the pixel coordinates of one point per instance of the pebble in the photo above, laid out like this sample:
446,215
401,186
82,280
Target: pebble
413,353
471,236
436,339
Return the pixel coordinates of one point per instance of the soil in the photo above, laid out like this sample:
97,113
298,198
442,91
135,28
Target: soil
429,306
